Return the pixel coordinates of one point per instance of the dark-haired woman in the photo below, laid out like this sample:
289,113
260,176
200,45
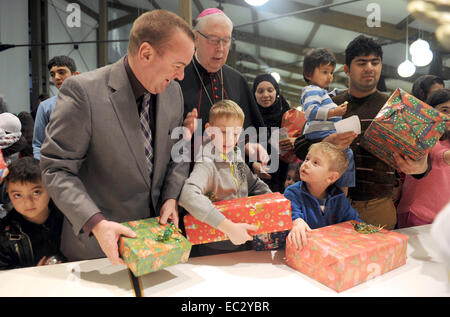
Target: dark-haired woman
272,106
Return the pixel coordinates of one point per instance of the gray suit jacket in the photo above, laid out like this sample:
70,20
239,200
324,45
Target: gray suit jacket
93,157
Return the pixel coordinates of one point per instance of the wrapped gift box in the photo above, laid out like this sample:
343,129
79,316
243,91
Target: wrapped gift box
293,120
340,257
146,254
405,124
270,212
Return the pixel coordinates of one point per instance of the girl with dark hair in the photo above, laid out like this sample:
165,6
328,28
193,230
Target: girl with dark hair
425,85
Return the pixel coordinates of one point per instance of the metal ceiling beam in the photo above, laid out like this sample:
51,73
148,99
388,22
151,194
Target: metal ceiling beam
122,21
333,18
102,34
295,67
315,27
185,7
402,24
198,5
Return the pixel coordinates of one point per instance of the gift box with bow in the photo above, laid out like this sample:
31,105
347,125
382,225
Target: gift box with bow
405,124
156,246
341,256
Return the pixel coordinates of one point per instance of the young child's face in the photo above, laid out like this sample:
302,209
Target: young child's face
290,178
225,133
30,200
322,76
316,168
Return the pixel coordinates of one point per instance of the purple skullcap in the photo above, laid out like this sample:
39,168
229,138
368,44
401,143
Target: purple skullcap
208,12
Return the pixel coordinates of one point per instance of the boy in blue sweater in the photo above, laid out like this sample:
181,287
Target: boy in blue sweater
316,201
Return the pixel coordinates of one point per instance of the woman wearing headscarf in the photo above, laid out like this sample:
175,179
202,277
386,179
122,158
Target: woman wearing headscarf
272,106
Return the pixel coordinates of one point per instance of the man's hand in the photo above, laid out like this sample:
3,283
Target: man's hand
342,140
410,167
169,212
298,233
190,123
287,144
261,170
107,234
256,152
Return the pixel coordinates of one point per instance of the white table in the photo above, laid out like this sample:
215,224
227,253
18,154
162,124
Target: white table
245,274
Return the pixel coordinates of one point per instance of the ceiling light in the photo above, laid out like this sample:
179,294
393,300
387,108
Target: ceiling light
418,46
256,3
423,59
276,76
406,69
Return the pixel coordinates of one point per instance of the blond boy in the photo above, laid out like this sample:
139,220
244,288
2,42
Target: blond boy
316,201
221,174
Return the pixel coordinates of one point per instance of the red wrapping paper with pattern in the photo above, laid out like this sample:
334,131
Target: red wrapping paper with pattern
340,258
270,212
293,120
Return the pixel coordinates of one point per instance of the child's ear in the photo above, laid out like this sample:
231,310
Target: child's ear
307,76
333,177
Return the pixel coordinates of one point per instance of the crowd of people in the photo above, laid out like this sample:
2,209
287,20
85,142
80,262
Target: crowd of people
100,152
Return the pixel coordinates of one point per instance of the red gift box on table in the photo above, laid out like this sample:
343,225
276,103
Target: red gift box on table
405,124
340,257
270,212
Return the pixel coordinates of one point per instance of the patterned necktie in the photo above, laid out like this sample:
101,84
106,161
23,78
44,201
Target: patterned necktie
145,125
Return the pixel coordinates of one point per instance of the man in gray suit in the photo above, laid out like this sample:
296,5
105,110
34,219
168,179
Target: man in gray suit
100,162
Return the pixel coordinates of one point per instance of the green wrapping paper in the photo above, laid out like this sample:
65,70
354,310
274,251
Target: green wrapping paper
156,246
405,124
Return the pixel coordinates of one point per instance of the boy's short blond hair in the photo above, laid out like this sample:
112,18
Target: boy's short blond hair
336,157
226,108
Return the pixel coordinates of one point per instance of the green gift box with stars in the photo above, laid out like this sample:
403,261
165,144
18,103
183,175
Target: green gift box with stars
406,125
155,247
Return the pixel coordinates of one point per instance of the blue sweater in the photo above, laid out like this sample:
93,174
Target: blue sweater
306,206
316,103
43,113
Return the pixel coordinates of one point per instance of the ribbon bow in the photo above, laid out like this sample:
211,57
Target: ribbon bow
168,233
365,228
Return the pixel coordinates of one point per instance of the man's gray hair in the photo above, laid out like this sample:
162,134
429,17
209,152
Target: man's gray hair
201,21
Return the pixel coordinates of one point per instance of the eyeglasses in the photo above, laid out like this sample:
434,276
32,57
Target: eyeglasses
215,40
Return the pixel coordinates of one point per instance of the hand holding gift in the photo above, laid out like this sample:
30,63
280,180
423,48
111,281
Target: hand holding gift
107,234
409,166
237,232
297,236
169,212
